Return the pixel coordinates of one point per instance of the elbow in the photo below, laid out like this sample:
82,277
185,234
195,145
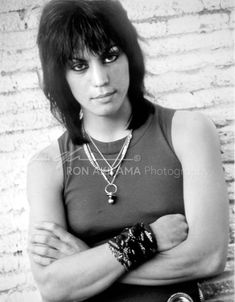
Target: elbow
217,263
45,284
51,293
49,288
56,289
212,264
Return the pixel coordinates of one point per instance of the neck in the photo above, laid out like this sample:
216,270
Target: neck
107,128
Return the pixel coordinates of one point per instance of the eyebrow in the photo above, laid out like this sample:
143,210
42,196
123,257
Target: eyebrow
79,56
74,59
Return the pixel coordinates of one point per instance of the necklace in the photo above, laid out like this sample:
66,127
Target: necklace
110,189
117,161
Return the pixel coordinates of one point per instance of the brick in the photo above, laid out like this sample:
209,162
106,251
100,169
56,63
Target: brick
231,250
18,81
232,233
227,134
218,288
16,209
29,141
9,281
16,158
18,40
227,4
232,19
231,213
229,267
225,76
13,179
23,101
14,220
14,242
186,43
230,188
21,296
214,96
198,99
14,263
13,200
143,9
229,172
21,60
11,5
224,111
227,153
21,20
11,168
211,4
6,224
191,60
221,115
151,30
11,22
194,80
197,23
221,123
26,296
31,120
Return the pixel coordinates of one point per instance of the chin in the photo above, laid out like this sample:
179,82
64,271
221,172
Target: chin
107,110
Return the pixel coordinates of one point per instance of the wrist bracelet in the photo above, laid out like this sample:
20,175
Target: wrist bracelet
134,245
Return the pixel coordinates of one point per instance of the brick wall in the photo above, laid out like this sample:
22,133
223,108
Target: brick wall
190,64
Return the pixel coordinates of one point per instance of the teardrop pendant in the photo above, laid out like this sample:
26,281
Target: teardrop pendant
111,199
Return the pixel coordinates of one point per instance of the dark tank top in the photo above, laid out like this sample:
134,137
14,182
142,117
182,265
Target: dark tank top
150,185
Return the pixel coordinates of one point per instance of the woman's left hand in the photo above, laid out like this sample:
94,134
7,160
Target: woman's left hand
50,242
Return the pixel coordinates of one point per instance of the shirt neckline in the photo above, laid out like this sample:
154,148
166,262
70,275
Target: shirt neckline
108,148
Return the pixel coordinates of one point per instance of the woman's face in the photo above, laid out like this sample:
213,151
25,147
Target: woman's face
100,83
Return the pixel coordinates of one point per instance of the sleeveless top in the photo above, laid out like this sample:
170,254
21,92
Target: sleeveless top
150,185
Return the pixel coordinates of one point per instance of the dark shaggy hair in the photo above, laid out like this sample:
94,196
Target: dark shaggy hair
67,26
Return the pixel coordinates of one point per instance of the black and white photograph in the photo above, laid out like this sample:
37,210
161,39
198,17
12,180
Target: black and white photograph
117,150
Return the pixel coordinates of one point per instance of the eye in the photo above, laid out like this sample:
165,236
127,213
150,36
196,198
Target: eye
78,65
111,55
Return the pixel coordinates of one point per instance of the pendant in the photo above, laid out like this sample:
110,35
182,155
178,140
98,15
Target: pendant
111,198
111,173
110,190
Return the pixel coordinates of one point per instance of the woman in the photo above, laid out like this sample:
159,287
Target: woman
130,203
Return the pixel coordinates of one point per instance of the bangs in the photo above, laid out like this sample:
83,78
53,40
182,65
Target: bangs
82,33
69,27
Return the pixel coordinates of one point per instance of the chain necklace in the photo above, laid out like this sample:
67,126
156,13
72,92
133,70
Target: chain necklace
110,189
116,162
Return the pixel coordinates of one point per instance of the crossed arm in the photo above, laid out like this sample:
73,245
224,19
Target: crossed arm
92,270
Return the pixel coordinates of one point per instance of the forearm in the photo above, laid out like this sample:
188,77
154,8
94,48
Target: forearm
81,275
182,263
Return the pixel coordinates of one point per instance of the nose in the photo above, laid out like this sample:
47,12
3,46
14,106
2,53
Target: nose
99,75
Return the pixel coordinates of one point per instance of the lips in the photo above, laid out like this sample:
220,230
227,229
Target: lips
104,95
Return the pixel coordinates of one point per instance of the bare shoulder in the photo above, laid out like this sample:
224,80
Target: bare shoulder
186,122
48,155
192,130
46,164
